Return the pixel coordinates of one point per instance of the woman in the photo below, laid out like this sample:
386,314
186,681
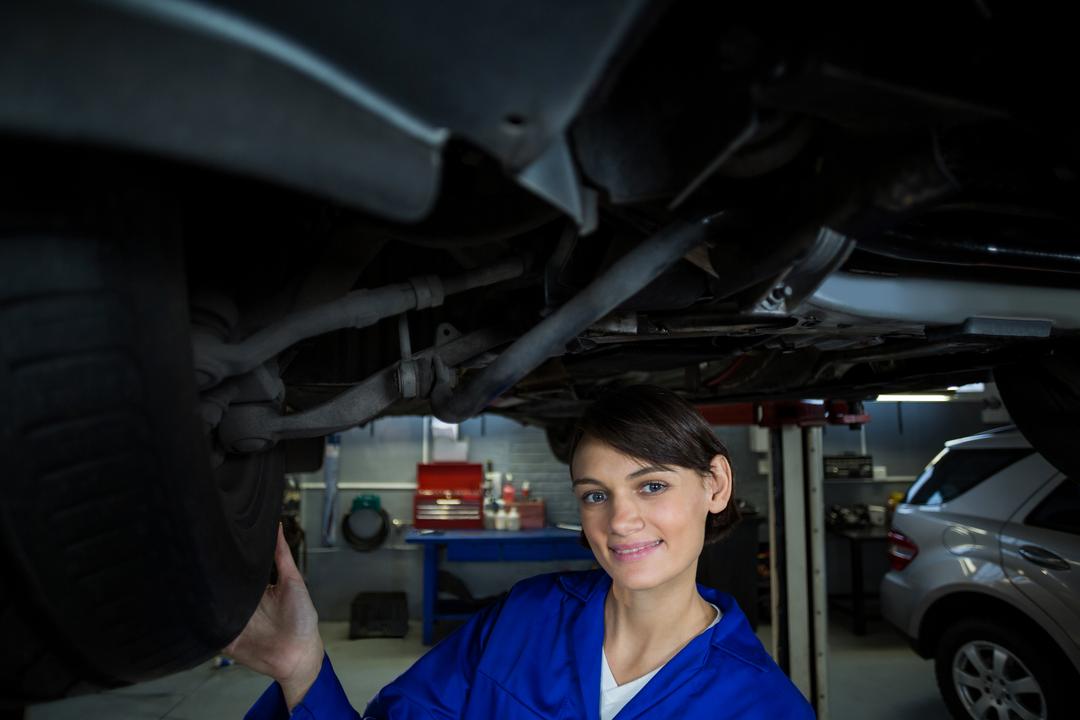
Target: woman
637,638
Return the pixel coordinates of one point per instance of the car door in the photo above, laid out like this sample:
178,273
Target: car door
1040,548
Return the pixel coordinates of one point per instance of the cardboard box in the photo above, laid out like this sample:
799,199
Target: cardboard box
532,512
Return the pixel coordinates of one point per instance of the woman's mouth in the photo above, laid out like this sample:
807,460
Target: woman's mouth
628,553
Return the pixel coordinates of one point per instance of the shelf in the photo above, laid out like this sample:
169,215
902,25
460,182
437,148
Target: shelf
871,481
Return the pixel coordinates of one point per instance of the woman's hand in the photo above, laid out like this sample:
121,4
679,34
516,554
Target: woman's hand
282,637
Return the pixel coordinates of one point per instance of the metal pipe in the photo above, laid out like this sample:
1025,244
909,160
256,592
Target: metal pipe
489,275
404,341
216,360
1036,252
330,477
253,427
403,486
425,439
625,277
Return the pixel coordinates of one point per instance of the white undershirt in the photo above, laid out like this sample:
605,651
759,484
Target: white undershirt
613,697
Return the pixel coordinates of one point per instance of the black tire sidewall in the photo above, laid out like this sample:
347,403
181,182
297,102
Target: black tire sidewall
186,572
1042,396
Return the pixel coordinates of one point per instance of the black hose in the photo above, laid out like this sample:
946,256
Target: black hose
366,543
506,269
626,276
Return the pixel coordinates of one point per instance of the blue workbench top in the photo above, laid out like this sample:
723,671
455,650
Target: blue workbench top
441,537
510,546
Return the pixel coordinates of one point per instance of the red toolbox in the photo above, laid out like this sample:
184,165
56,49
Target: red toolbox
449,495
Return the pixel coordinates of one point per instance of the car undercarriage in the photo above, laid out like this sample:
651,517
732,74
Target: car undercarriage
378,209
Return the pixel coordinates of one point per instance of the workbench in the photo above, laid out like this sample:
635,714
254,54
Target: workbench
857,539
487,546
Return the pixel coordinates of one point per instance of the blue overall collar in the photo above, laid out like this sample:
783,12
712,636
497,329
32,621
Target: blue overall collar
731,636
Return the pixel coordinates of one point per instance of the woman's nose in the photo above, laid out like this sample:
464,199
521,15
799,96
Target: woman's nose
625,516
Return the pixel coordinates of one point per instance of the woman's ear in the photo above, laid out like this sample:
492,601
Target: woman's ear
718,484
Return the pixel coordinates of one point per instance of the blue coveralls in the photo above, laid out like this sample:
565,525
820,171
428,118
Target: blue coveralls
536,654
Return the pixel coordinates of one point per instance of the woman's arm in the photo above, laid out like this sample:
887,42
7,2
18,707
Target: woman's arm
324,699
282,639
439,684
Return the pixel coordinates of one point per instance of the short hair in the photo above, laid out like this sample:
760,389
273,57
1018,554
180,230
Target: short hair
657,426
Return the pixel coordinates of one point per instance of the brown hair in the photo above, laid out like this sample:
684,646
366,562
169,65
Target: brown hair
656,425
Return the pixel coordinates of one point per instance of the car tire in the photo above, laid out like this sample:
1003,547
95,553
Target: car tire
1042,396
1027,656
125,556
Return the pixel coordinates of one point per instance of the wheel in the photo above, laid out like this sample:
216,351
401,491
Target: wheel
1043,397
125,556
992,671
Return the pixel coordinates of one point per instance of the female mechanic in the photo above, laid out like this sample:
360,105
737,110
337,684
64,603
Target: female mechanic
635,638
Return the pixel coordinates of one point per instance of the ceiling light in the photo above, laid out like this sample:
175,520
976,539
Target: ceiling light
925,397
969,388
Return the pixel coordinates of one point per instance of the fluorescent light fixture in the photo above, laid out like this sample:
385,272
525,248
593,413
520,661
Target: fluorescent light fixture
928,397
969,388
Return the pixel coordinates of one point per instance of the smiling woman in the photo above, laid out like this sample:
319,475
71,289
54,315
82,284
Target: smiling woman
635,638
661,431
654,484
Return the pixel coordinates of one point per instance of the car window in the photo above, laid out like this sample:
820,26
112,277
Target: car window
1060,510
956,471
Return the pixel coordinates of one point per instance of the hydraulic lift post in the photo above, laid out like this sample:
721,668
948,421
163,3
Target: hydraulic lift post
796,531
796,559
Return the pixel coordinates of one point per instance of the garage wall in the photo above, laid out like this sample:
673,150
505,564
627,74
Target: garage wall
750,485
384,451
906,436
523,451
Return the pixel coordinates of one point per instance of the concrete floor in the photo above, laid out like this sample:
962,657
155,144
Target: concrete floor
875,676
879,676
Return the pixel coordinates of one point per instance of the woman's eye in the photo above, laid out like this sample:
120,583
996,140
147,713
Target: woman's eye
591,498
652,488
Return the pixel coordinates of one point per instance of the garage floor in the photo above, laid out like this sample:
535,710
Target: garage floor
874,676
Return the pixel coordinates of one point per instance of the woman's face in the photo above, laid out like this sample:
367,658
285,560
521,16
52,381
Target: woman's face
645,523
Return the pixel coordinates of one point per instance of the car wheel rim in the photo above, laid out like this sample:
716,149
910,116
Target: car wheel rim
993,684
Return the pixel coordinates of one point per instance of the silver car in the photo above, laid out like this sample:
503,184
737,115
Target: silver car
985,578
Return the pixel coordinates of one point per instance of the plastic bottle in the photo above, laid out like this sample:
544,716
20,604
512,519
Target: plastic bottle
508,489
513,519
890,507
492,481
489,518
500,519
485,486
525,490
